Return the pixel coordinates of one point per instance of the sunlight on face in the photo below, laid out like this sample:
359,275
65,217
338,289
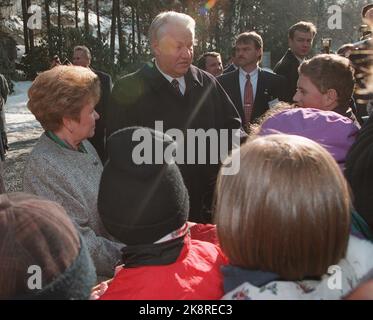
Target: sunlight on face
85,128
308,95
174,50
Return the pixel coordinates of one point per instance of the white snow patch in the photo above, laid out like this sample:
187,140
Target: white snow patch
18,117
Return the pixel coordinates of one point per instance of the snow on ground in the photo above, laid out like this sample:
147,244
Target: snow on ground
20,52
18,118
14,23
23,131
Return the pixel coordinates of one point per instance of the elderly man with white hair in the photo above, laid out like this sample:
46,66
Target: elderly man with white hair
170,89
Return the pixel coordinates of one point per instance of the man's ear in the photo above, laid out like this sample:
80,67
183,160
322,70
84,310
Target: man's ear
155,48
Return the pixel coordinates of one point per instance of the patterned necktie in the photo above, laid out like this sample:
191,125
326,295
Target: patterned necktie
248,100
175,84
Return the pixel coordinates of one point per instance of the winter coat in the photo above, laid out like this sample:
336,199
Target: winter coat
342,278
194,276
288,67
146,96
72,178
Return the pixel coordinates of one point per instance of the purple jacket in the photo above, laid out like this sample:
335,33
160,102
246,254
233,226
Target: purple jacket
334,132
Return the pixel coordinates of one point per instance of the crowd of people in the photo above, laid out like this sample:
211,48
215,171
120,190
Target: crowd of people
102,225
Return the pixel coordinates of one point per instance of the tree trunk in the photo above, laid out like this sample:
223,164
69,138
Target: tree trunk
48,20
86,21
76,15
98,21
30,31
59,27
228,29
120,33
112,32
25,29
138,30
217,32
133,33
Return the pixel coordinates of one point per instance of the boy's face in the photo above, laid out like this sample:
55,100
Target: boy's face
309,96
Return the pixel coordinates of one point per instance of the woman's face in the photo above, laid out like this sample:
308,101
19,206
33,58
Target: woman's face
85,128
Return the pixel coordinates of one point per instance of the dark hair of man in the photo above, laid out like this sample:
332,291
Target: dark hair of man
201,62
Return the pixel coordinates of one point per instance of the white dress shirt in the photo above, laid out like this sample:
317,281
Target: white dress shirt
181,80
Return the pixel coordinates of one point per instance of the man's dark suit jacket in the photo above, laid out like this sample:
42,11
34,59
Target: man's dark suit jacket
146,96
288,67
98,140
230,68
270,86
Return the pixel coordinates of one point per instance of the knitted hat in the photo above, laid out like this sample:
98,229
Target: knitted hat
141,203
41,253
334,132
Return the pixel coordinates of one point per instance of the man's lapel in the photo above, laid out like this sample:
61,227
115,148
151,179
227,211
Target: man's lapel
236,90
260,89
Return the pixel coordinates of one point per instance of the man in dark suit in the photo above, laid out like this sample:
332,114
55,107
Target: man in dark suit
179,95
300,39
266,88
82,57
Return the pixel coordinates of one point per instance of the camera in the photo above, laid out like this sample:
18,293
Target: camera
364,31
326,44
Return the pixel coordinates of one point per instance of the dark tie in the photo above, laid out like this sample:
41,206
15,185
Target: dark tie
176,86
248,100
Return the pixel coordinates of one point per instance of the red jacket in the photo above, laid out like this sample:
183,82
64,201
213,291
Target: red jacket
204,232
194,276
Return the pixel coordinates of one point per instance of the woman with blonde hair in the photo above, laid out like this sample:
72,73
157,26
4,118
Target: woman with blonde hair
283,221
63,166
